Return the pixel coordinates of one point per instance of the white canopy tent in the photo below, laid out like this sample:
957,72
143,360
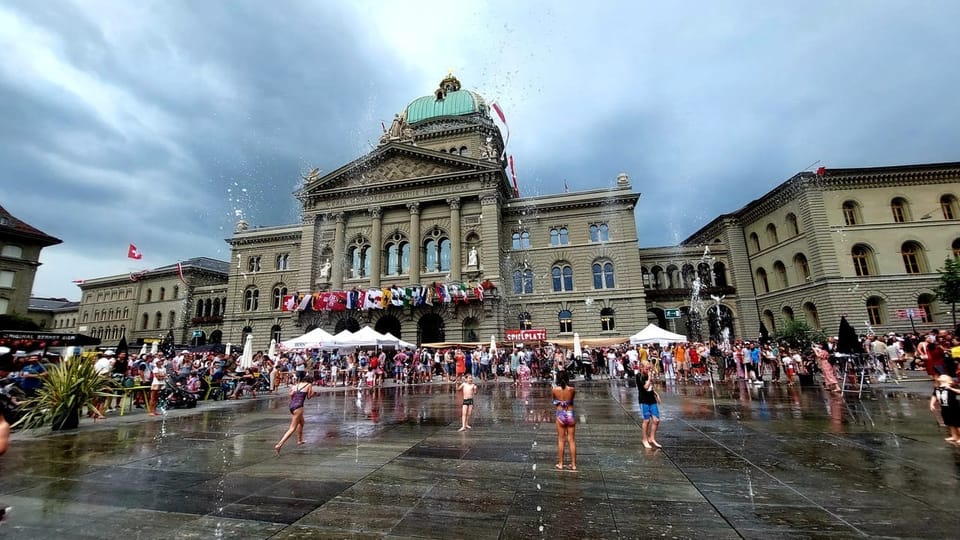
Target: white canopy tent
313,339
391,340
654,334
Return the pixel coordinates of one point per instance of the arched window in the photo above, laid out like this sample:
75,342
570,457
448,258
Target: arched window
149,295
703,272
85,316
524,239
658,278
899,209
812,315
862,260
566,321
216,308
599,232
851,213
948,204
163,293
912,255
772,234
607,322
437,251
278,293
515,241
645,277
803,268
559,236
754,242
358,256
562,277
720,274
769,321
158,320
787,313
96,316
172,319
275,333
146,322
398,256
956,248
283,261
253,264
199,312
688,276
762,283
464,151
523,281
781,272
926,304
251,299
792,225
875,306
176,292
126,313
603,275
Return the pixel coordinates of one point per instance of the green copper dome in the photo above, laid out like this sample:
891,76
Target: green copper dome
447,100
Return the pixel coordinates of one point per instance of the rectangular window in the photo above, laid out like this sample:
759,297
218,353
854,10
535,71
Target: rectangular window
873,312
4,306
6,278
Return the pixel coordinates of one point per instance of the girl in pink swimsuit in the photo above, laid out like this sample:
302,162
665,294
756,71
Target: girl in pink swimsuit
563,395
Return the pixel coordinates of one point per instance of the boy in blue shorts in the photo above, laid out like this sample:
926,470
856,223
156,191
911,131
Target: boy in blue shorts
649,398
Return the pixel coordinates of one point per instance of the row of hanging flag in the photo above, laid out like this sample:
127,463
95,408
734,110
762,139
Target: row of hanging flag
383,298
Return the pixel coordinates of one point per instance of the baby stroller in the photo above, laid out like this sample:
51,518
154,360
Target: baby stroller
175,396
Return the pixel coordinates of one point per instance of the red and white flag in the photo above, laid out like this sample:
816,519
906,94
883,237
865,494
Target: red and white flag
513,173
134,253
180,273
496,108
78,281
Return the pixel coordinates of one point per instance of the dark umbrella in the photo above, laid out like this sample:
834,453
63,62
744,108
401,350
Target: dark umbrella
167,346
847,340
764,334
122,346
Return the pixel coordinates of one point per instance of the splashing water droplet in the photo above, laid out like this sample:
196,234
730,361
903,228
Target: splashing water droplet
538,508
538,486
534,466
541,528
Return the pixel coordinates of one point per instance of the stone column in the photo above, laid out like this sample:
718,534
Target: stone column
338,242
414,242
455,239
376,245
307,257
489,233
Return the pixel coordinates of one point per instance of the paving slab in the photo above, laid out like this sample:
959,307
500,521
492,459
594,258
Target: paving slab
736,462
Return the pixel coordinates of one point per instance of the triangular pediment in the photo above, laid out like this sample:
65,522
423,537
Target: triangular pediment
392,164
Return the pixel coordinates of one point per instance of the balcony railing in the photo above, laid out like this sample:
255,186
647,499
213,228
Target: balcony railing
705,292
210,319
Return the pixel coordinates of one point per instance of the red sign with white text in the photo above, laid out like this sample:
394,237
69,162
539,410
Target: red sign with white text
533,334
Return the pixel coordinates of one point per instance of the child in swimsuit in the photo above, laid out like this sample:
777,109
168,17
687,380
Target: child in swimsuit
563,395
469,389
299,394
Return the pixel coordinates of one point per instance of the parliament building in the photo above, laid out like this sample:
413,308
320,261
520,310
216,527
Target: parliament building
427,237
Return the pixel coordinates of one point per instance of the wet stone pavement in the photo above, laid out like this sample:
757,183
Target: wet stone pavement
770,462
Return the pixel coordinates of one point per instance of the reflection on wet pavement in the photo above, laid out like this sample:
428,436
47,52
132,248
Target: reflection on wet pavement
770,462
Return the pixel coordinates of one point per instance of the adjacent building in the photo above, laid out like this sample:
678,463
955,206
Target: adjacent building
54,314
863,242
188,298
20,246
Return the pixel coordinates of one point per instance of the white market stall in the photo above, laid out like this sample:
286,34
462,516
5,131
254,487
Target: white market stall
654,334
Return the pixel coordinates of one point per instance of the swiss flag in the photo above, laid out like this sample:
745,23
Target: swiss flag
134,253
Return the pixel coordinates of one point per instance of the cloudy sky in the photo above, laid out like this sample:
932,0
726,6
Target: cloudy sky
158,123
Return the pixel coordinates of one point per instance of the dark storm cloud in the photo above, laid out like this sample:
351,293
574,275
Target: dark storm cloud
161,123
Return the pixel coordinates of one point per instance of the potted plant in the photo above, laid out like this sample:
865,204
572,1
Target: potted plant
67,388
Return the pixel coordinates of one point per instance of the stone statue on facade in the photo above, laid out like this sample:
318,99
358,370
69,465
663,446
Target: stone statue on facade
325,270
472,258
487,151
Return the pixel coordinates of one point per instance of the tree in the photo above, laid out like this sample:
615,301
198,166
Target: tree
948,291
798,335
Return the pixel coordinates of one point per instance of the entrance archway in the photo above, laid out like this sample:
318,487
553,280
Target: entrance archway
216,337
347,323
430,329
388,323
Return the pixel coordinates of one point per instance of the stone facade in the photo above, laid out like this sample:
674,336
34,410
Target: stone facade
54,314
144,306
865,243
432,208
20,246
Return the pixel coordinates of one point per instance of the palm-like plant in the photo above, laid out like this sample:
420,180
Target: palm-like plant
67,388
